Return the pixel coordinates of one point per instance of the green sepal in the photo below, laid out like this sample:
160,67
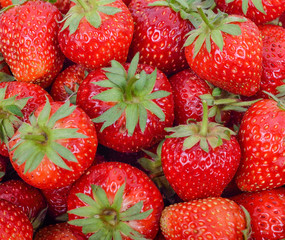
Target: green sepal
4,77
2,174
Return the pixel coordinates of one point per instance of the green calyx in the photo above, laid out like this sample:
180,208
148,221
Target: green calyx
10,114
205,133
39,139
2,174
105,220
257,3
91,10
211,29
279,98
132,94
248,230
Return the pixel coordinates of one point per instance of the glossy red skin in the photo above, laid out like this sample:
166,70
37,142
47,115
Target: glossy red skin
94,47
31,51
37,94
28,198
187,87
3,167
282,19
237,69
194,173
260,137
69,77
210,218
159,36
48,175
273,59
110,176
14,224
273,9
266,210
115,136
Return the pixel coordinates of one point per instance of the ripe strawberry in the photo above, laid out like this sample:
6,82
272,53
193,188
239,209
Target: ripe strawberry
28,198
227,52
210,218
14,224
282,19
159,35
131,105
62,5
30,48
100,33
200,159
66,84
56,147
261,135
266,210
115,201
262,11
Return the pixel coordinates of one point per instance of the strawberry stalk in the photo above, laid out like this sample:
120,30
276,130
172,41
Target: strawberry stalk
204,126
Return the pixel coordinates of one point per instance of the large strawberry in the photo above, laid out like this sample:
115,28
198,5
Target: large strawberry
28,41
227,52
115,201
210,218
266,210
131,105
261,137
95,32
56,147
200,159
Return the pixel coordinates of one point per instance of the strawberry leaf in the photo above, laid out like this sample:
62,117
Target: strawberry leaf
132,117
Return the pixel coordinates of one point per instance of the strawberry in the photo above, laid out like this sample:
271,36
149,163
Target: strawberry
262,11
55,148
261,135
93,33
14,224
3,167
210,218
31,51
28,198
57,231
266,210
115,201
62,5
200,159
227,52
66,84
131,104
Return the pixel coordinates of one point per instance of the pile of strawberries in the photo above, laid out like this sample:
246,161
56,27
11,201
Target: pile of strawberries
142,119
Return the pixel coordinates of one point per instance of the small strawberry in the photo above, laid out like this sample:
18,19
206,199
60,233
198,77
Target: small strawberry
93,33
261,136
115,201
56,147
131,104
210,218
14,224
266,210
227,52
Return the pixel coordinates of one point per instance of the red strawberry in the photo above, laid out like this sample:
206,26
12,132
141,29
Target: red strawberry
56,147
62,5
261,135
282,19
101,33
67,82
3,166
227,53
115,201
258,11
266,210
28,198
200,159
31,49
159,35
14,224
210,218
131,105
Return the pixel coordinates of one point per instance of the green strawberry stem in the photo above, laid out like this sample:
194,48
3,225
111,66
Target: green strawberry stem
129,88
204,18
204,126
84,5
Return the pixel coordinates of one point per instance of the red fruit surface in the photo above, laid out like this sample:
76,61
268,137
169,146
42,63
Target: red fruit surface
3,166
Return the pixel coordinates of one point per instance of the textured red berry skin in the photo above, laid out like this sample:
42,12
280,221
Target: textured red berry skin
261,135
110,176
159,35
210,218
28,41
266,210
96,47
194,173
238,67
14,224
